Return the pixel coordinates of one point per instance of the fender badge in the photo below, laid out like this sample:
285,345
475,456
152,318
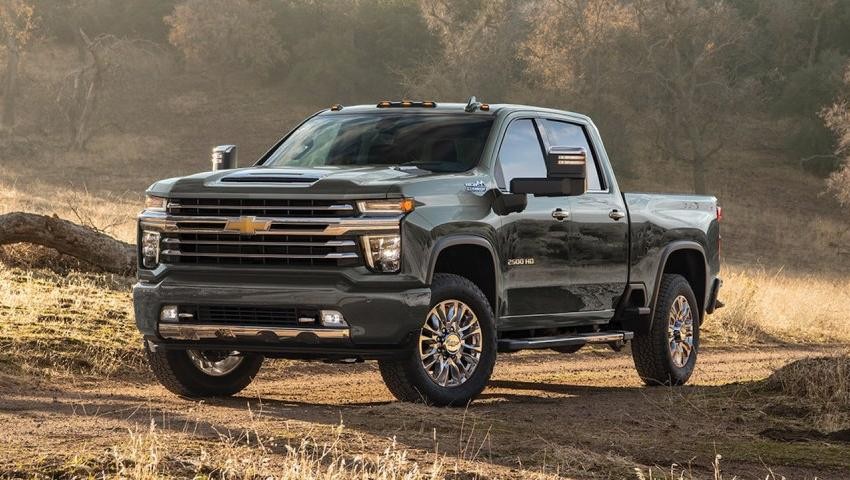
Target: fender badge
477,186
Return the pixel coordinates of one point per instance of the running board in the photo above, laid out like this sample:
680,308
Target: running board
515,344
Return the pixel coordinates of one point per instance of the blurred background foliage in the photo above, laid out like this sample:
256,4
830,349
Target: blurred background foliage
678,79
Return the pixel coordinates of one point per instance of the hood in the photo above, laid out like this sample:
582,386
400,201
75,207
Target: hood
335,182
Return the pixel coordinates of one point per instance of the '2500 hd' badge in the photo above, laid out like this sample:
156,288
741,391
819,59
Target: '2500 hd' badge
520,261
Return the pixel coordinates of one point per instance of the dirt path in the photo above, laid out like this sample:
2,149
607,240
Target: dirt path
587,412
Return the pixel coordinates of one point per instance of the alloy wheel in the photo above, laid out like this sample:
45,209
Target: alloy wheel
450,343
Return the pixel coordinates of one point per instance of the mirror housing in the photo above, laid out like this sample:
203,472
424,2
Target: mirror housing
566,168
224,157
505,203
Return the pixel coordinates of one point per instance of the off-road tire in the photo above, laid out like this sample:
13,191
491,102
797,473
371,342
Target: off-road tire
651,350
176,372
406,378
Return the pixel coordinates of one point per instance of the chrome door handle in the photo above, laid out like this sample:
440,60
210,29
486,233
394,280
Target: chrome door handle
616,214
560,215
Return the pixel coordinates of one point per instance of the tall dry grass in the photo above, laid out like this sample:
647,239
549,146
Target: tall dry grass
821,385
60,323
337,454
769,307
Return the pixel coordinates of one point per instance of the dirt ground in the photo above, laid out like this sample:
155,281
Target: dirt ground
585,415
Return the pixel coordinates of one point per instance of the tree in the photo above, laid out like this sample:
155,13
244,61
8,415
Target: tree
478,41
225,36
105,62
837,119
687,55
16,27
573,57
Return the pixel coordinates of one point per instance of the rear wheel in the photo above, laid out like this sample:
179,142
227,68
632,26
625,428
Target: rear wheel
453,357
667,354
198,374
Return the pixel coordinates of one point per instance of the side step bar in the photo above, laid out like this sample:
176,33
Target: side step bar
515,344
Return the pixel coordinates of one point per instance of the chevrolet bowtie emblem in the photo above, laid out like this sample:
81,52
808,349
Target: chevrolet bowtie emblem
248,225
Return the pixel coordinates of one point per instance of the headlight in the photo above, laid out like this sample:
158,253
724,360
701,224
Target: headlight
150,249
383,252
155,204
395,206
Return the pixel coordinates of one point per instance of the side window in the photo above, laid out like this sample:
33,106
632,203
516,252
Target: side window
564,134
521,154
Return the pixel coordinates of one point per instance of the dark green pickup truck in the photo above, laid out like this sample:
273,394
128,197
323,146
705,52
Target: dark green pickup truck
427,237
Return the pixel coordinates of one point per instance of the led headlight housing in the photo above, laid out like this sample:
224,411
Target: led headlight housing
150,249
155,204
383,252
393,206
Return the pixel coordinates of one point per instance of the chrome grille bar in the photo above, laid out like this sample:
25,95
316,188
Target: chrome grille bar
328,256
330,243
340,208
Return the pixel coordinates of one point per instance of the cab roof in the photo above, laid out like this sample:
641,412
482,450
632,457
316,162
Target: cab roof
441,107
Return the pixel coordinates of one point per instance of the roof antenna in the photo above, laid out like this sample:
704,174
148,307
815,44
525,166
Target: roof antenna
472,104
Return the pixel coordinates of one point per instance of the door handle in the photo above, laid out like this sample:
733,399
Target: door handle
560,215
616,214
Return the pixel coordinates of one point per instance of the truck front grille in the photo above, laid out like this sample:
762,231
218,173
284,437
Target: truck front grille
263,232
230,249
237,207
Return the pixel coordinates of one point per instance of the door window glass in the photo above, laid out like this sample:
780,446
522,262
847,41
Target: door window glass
565,134
521,155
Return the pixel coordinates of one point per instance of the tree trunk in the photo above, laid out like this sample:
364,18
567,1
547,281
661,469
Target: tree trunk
82,128
10,84
83,243
699,175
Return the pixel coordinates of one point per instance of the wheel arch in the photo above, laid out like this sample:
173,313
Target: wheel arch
463,255
686,258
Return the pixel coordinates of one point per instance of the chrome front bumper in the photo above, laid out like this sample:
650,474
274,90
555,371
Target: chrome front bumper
251,333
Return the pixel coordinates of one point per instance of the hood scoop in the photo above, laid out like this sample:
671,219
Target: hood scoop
271,176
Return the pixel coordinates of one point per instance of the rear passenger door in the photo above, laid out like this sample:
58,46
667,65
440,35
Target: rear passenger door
595,253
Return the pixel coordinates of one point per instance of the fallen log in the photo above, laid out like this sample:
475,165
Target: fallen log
81,242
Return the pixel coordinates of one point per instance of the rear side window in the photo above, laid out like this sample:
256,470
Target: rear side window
565,134
521,155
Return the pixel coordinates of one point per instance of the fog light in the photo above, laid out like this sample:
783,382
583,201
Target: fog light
383,253
169,313
150,249
332,318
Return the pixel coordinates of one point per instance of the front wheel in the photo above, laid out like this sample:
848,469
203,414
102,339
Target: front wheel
453,357
667,354
199,373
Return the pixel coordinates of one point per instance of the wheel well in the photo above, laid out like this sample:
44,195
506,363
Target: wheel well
472,262
691,265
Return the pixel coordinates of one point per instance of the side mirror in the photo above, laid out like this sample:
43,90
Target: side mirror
224,157
566,172
505,203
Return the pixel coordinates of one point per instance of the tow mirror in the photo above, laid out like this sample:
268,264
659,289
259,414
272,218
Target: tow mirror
505,203
224,157
566,172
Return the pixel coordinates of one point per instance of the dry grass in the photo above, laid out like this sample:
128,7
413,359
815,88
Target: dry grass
54,324
821,385
763,307
329,453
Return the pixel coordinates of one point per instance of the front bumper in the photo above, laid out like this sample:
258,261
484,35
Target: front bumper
382,316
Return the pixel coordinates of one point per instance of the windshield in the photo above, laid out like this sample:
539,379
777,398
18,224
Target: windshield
445,143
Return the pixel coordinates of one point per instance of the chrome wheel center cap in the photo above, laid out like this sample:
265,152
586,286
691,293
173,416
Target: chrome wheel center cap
452,343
